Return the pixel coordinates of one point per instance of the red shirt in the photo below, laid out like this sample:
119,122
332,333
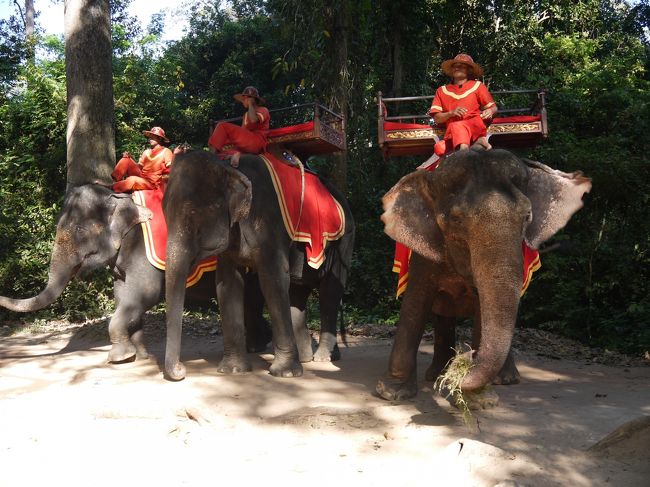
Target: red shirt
262,124
473,96
154,162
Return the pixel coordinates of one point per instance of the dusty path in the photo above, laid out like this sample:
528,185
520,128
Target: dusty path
68,418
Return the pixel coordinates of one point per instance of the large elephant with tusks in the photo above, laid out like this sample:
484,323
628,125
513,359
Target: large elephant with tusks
465,223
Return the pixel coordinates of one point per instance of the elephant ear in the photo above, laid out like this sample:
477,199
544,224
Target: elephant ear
125,215
410,215
554,196
240,194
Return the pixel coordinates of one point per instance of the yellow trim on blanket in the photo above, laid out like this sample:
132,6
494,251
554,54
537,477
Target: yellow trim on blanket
157,262
314,261
534,266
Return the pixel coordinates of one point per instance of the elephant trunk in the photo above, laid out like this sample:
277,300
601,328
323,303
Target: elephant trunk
60,274
499,288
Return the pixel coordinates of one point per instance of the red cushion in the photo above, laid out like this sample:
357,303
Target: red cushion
403,126
514,119
517,119
291,129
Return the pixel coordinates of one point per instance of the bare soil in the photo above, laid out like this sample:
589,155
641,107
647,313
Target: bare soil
69,418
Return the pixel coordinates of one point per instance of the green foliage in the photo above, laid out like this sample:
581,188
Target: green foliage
592,56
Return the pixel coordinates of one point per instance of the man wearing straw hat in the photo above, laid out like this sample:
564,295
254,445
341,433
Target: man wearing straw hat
251,136
148,172
462,106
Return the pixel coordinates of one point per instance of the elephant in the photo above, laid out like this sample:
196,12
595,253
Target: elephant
212,208
98,228
465,223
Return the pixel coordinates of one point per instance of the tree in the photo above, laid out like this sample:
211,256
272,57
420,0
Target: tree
90,134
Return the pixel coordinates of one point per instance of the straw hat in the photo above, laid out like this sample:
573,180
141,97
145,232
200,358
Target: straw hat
250,91
477,71
156,133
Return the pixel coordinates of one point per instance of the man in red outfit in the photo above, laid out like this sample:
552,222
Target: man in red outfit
148,172
462,106
251,137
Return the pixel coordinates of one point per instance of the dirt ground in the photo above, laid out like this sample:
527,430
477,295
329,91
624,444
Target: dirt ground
69,418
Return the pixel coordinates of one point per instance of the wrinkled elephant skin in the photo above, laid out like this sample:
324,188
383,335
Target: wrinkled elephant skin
214,209
465,223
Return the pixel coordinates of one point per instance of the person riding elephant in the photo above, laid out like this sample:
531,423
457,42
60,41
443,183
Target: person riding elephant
464,223
462,106
213,209
251,136
149,172
98,227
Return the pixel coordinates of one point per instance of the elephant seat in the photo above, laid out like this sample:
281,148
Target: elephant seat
407,135
306,130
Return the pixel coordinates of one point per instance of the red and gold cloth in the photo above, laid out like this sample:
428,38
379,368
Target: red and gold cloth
318,221
155,236
403,255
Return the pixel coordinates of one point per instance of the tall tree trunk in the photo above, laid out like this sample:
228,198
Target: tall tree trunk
341,90
29,18
90,134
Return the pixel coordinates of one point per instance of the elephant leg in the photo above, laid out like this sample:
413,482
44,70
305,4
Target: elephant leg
258,330
508,374
330,295
400,382
444,341
230,294
298,296
125,327
137,338
274,281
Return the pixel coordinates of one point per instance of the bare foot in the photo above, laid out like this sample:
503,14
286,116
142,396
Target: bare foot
234,159
483,142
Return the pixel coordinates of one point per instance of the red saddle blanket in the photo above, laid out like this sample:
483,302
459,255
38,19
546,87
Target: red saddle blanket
318,219
403,256
155,236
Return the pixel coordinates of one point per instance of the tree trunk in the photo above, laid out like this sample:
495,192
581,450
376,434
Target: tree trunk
29,18
90,134
341,29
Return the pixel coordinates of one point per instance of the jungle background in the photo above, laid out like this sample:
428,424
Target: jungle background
593,57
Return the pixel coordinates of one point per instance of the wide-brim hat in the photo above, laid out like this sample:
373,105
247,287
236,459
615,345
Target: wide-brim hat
250,91
156,133
477,71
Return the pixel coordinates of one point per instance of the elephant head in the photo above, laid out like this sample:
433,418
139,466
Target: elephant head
470,216
89,234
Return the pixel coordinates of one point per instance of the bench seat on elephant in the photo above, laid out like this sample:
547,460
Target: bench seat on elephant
306,130
407,135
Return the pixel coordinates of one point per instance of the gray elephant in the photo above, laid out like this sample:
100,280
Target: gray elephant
99,228
465,223
213,209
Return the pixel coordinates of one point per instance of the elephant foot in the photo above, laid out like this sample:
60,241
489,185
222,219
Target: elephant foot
437,367
305,351
484,399
175,371
122,352
232,366
324,354
285,368
137,339
508,375
395,390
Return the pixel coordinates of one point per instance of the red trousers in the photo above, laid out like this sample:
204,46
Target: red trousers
465,131
242,139
135,179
